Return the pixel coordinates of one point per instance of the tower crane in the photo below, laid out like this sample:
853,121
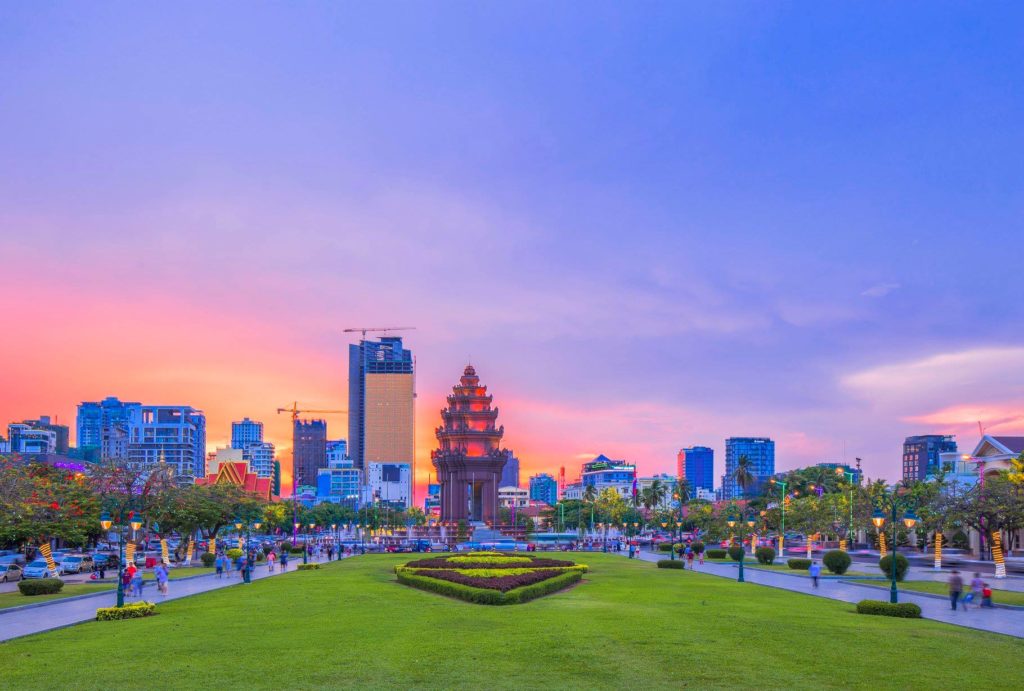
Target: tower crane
296,412
383,329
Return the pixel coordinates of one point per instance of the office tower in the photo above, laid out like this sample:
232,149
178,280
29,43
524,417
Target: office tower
175,435
697,465
276,482
381,397
340,482
246,432
309,451
921,454
761,453
544,487
103,426
603,473
510,474
247,435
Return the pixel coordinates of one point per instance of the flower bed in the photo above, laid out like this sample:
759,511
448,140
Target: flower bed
493,581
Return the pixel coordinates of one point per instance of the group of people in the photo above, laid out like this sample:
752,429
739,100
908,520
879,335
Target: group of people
977,587
132,580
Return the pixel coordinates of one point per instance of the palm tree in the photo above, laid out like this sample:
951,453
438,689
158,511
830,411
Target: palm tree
681,491
590,494
743,474
659,492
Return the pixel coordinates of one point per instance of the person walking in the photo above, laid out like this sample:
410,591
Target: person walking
271,558
986,595
973,590
815,571
284,560
161,579
218,564
689,557
956,586
137,583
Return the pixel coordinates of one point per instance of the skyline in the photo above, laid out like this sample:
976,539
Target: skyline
646,229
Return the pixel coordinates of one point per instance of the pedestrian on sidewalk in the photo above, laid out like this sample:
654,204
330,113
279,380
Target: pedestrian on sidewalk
137,583
986,596
270,561
218,563
815,571
161,579
284,560
689,557
631,550
956,586
973,590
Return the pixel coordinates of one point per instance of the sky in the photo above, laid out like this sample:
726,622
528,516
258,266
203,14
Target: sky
648,226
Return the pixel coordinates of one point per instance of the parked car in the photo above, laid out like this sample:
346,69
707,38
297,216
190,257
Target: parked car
10,572
38,569
76,563
16,558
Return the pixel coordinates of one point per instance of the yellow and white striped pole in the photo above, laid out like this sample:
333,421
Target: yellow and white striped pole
129,553
842,544
213,546
188,552
164,553
881,545
47,553
997,554
810,545
938,550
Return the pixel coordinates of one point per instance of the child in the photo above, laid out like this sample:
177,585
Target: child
973,590
986,595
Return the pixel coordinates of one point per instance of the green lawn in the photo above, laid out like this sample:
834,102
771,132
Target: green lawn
1005,597
16,599
627,625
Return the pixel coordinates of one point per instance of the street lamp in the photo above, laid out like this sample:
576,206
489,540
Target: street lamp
305,552
731,522
909,520
850,476
782,528
106,523
751,522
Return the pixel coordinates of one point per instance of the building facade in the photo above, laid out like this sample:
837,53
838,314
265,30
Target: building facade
760,451
246,432
544,487
381,397
102,427
340,482
696,464
510,474
921,454
603,473
513,497
388,483
309,451
25,438
175,435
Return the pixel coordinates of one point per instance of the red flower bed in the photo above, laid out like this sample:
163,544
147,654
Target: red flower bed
502,583
443,563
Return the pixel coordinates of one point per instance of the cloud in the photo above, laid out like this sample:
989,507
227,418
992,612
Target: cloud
880,290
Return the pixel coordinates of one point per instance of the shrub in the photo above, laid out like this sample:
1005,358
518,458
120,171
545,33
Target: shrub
233,553
765,555
885,564
671,563
308,567
907,610
716,553
297,549
697,547
664,547
960,540
130,611
208,559
799,564
837,561
736,553
484,596
40,586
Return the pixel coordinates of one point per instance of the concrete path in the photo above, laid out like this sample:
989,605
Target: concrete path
1009,622
55,614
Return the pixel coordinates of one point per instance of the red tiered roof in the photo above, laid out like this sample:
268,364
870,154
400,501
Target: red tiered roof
237,473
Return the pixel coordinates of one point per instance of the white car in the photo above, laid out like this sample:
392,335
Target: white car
38,569
9,572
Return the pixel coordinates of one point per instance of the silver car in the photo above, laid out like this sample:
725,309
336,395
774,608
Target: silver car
76,563
38,569
9,572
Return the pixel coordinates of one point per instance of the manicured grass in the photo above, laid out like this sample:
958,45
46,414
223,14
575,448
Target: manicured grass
1004,597
627,625
16,599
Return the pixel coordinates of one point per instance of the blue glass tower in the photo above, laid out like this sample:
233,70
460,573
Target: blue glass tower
761,453
697,465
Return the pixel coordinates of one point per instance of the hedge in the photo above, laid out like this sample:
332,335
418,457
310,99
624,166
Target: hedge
697,547
885,565
906,610
40,586
131,611
765,555
308,567
837,561
208,559
715,553
234,553
483,596
799,564
665,547
736,553
671,563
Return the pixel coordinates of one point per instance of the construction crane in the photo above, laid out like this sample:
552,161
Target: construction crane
383,329
296,412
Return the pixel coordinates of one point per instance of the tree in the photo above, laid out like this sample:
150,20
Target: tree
590,494
743,474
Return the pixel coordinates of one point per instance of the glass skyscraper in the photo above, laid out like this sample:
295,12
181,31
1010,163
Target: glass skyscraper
380,402
544,487
697,465
761,453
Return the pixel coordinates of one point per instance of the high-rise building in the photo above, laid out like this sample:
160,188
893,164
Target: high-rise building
510,474
760,451
340,482
103,426
697,465
246,432
380,402
921,454
309,451
544,487
388,483
175,435
25,438
604,473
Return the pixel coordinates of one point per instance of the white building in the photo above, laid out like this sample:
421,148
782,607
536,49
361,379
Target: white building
995,453
388,482
223,455
513,496
573,491
175,435
27,439
706,494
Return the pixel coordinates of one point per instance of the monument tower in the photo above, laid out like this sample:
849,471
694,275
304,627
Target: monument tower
468,458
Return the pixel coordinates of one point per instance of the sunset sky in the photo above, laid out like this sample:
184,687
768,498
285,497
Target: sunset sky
648,225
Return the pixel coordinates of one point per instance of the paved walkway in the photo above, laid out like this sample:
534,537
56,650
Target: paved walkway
16,622
1010,622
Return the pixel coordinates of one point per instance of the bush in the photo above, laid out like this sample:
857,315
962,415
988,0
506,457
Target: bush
765,555
40,586
664,546
697,547
208,559
131,611
716,554
671,563
885,564
799,564
736,553
837,561
960,540
484,596
297,549
907,610
308,567
233,553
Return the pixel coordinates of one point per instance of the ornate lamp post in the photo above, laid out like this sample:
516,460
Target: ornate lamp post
105,522
850,477
731,522
751,522
909,520
782,529
305,552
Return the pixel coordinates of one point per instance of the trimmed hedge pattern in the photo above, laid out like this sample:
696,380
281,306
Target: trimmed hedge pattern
450,563
906,610
765,555
837,561
504,583
671,564
485,596
131,611
799,564
40,586
715,553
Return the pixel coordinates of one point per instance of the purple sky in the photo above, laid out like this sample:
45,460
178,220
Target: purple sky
650,226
